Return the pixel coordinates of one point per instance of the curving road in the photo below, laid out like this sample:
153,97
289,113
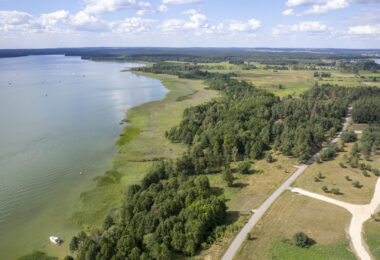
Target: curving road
239,239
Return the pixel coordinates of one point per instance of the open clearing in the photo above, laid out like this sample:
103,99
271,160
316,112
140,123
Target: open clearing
291,213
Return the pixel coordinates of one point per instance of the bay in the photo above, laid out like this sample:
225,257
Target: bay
59,119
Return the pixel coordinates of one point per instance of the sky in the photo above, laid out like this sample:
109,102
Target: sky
190,23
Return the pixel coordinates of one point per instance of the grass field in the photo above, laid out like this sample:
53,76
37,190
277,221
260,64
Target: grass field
292,213
334,176
372,236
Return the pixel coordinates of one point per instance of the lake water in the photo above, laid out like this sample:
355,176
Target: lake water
59,116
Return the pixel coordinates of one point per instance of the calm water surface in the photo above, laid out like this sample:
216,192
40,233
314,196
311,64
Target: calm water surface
58,116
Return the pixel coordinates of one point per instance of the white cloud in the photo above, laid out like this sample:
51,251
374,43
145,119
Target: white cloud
304,2
288,12
197,22
179,2
172,25
365,30
309,26
162,8
328,6
82,21
131,25
101,6
14,17
62,21
250,25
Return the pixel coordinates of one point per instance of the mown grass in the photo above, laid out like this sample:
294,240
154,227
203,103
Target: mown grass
334,176
288,251
37,255
372,236
292,213
141,144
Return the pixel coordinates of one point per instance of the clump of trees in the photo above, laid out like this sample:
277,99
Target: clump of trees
329,153
322,74
349,137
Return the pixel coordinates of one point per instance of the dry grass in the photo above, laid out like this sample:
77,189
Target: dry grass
250,192
291,213
334,177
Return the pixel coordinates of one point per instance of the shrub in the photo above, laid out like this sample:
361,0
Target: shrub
335,191
74,244
228,177
348,178
329,152
244,167
365,173
68,258
356,184
325,189
342,165
376,172
302,240
268,157
349,137
362,166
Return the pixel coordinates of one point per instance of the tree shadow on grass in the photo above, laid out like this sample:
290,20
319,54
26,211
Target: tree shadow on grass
240,185
232,217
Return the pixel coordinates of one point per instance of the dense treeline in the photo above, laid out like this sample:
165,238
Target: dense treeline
182,70
367,65
365,100
169,214
367,109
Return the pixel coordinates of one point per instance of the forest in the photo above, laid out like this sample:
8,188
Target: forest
170,213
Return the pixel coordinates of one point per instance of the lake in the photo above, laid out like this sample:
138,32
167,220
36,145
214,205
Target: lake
60,117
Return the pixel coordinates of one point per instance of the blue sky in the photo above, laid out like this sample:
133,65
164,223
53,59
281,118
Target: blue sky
190,23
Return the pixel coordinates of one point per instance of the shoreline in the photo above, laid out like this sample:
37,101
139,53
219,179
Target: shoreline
141,143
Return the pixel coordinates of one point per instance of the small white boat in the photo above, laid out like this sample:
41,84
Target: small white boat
55,240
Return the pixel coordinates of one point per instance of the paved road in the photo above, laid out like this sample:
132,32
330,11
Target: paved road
239,239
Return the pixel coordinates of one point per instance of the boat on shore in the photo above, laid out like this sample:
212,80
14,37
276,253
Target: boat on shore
55,240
